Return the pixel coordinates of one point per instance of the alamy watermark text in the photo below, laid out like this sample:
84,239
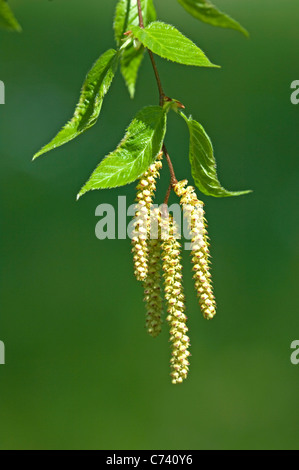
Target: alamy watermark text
126,228
295,94
2,353
295,354
2,92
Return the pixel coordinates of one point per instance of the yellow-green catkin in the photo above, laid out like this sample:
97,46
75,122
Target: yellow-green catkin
152,284
194,212
145,193
172,267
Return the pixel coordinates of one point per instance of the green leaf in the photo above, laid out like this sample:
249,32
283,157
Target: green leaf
87,111
167,42
203,164
127,16
205,11
7,18
136,152
130,63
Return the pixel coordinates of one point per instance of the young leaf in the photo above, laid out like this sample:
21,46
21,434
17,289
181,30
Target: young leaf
7,18
136,152
167,42
87,111
130,62
203,164
125,17
205,11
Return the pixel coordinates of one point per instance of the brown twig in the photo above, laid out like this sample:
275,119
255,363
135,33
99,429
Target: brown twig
158,79
168,194
141,23
173,179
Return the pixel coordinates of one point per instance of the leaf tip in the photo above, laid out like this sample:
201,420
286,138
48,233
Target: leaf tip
81,193
241,193
38,154
245,32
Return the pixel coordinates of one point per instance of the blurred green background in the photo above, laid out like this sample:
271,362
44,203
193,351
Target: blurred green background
80,371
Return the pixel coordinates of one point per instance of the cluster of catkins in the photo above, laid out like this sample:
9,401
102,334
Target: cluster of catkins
156,244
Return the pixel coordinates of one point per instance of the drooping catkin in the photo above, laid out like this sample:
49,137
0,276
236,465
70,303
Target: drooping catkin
145,193
152,284
194,212
175,298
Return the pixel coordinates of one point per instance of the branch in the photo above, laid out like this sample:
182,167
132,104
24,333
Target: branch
141,23
173,179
